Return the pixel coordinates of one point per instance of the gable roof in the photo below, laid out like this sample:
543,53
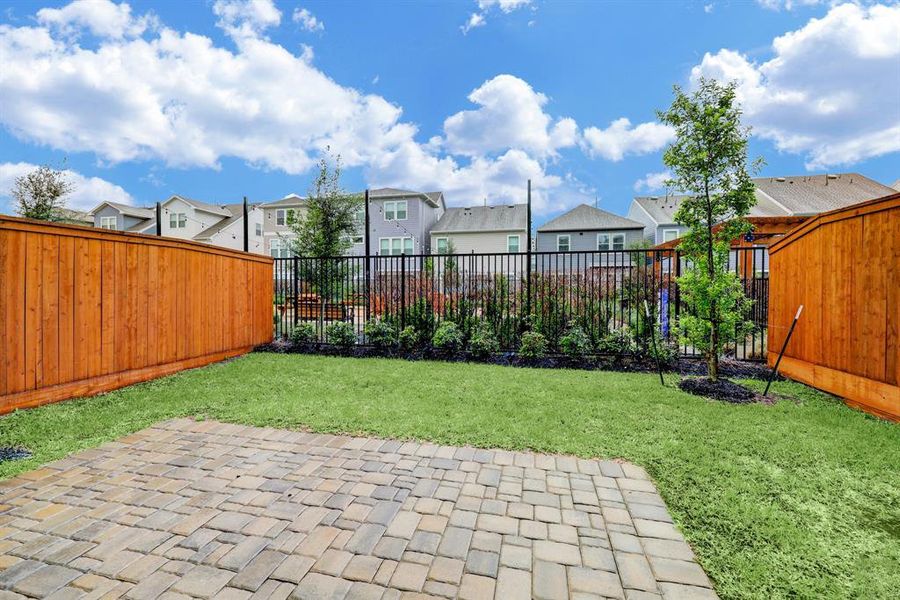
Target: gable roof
198,205
511,217
802,195
125,209
143,226
435,199
896,185
588,218
289,200
235,213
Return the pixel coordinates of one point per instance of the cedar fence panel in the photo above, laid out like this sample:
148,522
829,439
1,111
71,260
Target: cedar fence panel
84,310
844,267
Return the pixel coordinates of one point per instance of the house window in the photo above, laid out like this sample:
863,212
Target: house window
279,216
109,223
279,248
512,243
357,239
602,241
395,210
284,216
396,246
563,243
442,246
670,234
359,215
177,220
259,229
610,241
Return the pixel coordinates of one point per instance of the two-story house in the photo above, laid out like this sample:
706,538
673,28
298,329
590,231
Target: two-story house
187,219
400,221
277,217
481,230
587,229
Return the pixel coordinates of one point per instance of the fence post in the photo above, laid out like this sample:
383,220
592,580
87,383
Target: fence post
402,291
246,227
368,254
294,276
158,219
528,258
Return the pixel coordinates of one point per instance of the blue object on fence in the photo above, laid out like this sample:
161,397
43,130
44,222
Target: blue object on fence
664,312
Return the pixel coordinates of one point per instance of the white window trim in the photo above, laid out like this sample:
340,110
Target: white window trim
608,242
105,222
390,241
437,244
665,231
258,229
612,241
177,217
281,217
518,243
394,204
568,242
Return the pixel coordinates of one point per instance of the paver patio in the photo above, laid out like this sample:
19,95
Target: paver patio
213,510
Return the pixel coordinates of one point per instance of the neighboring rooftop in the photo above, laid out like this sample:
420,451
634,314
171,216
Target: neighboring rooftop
510,217
433,198
802,195
289,200
587,218
125,209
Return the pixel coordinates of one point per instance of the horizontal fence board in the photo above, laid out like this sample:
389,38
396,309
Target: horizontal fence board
84,311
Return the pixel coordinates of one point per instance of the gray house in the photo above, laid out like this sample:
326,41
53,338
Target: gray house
121,217
800,196
400,222
481,229
587,229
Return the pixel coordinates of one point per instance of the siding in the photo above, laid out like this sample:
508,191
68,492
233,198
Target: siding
480,242
583,241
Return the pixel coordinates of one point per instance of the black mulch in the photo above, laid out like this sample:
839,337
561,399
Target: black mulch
13,453
682,366
721,389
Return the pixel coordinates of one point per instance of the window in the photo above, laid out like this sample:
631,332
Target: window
395,210
442,245
563,243
512,243
359,215
259,229
357,239
279,216
396,246
279,248
670,234
610,241
109,223
177,220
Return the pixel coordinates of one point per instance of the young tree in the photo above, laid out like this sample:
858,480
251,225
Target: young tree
708,160
325,228
41,193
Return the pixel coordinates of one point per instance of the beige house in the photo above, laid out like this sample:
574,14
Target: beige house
481,230
218,225
276,218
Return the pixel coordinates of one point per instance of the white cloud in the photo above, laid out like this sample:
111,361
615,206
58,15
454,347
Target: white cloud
102,18
510,115
307,20
831,91
475,20
242,19
708,8
87,192
787,4
621,139
652,181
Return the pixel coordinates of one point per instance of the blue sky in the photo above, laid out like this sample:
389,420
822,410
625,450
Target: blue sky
219,99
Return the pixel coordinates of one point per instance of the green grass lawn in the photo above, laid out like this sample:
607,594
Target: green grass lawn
798,499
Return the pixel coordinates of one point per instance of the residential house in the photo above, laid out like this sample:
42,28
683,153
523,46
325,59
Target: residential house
188,219
277,217
586,228
801,196
400,221
482,230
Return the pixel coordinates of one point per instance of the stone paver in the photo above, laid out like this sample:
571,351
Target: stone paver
190,509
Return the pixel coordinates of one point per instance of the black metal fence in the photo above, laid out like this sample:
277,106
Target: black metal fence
604,292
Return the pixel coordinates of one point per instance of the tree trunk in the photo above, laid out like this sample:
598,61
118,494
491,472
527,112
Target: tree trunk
713,358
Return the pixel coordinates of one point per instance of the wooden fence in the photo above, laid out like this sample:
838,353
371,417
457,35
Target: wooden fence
84,310
844,268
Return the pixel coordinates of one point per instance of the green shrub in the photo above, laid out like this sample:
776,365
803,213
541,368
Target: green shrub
340,333
381,334
303,333
617,342
533,345
448,337
575,343
409,338
483,342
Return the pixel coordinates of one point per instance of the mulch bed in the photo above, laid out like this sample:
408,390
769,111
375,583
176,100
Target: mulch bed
721,389
632,364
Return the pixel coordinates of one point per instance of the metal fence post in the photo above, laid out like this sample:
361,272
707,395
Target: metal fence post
158,219
294,276
528,258
402,291
368,255
246,227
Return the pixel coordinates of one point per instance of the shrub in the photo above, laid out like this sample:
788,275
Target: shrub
409,338
617,342
483,342
448,337
381,334
303,333
533,345
340,333
575,343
